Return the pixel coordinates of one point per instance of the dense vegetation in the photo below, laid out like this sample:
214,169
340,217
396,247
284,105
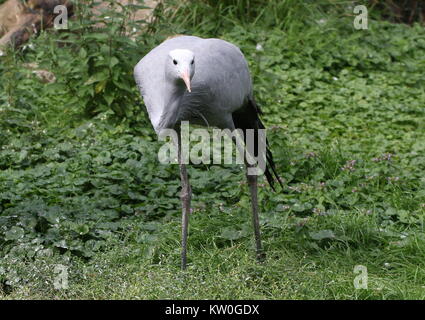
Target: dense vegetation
80,184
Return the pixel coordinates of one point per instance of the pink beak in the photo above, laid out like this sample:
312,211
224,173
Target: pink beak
186,78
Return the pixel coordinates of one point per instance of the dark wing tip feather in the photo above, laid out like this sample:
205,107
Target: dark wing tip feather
248,118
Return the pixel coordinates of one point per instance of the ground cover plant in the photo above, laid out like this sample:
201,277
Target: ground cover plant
81,187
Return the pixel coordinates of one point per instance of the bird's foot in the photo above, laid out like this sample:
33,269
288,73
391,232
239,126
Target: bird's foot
261,256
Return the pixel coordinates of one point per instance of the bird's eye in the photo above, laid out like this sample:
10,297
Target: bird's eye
192,61
174,61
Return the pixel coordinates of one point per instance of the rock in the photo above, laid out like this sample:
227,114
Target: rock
19,20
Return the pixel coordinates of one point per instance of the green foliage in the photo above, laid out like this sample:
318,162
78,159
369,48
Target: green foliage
96,66
214,16
401,11
80,183
93,61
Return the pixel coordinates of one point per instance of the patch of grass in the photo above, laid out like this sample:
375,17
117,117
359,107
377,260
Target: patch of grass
144,264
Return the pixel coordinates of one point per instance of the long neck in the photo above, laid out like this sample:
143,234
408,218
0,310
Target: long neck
174,92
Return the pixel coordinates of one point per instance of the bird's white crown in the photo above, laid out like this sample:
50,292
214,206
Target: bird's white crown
181,55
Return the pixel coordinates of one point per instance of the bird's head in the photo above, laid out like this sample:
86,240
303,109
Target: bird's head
181,66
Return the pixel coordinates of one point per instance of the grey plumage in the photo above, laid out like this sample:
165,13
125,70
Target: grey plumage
221,83
205,82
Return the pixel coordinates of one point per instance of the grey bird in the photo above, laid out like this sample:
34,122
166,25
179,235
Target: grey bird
205,82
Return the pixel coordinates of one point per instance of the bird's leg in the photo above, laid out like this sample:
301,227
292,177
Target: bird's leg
252,184
186,194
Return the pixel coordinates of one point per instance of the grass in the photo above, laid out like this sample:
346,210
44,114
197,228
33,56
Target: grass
146,266
80,184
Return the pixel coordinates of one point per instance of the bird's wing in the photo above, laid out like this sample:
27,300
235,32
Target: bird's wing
223,68
149,83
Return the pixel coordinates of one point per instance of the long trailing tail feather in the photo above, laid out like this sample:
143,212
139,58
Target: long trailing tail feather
249,118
